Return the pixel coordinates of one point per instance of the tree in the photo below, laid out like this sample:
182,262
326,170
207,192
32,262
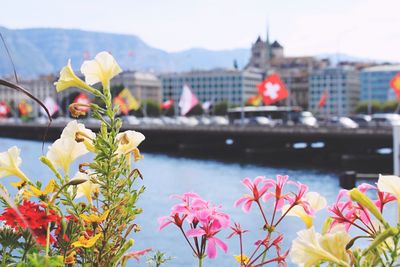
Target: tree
362,107
221,108
196,111
390,106
152,108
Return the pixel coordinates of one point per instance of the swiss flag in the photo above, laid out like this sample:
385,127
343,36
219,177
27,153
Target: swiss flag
272,89
395,84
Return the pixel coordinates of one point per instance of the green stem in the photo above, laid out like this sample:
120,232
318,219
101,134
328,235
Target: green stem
200,261
3,257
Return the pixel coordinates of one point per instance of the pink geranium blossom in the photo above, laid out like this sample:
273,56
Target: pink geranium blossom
258,188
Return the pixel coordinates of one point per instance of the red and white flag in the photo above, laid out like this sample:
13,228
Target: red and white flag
82,99
272,89
167,104
187,101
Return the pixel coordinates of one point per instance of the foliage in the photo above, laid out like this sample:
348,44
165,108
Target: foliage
363,106
83,216
197,110
152,108
361,208
221,108
390,106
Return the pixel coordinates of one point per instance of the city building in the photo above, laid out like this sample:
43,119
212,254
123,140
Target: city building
375,83
142,85
41,88
342,87
294,71
234,86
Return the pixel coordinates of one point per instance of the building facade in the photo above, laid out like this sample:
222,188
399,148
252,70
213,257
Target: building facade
142,85
233,86
294,71
41,88
375,83
342,85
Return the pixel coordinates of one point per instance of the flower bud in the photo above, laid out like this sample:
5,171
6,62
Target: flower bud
357,196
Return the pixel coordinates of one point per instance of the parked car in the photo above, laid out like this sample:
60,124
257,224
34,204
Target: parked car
261,120
132,120
385,119
219,120
307,118
344,122
361,120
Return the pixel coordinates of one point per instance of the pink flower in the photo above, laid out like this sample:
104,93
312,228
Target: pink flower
256,193
212,242
136,254
236,230
278,194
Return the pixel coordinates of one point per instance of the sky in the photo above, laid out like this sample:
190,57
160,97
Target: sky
363,28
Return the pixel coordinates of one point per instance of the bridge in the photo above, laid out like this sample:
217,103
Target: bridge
362,149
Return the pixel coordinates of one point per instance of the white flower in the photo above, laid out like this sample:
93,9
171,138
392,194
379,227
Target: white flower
64,151
310,248
69,79
101,69
75,130
9,164
390,184
316,202
128,141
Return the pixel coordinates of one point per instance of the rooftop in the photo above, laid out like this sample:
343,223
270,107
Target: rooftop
382,68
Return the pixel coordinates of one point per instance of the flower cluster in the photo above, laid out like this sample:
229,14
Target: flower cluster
87,216
199,220
33,217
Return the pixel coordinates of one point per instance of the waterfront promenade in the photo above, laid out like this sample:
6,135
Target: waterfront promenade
364,149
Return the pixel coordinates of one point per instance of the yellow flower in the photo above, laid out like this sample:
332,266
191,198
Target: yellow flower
64,151
310,248
78,132
39,193
92,218
70,258
128,141
69,79
101,69
9,164
242,259
316,201
87,188
19,184
86,243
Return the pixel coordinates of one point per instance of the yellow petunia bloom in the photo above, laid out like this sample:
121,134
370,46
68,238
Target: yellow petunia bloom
311,248
78,132
87,188
101,69
33,191
92,218
9,164
86,243
69,79
242,259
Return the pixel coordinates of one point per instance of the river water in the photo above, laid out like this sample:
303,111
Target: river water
218,182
